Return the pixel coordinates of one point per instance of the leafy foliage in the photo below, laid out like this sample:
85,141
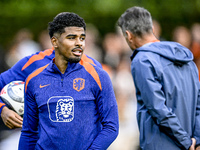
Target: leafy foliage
35,14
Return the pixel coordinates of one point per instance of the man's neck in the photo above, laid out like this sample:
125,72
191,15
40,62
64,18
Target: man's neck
145,39
61,64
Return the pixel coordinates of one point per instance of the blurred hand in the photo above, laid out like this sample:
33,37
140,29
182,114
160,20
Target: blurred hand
192,147
11,119
198,148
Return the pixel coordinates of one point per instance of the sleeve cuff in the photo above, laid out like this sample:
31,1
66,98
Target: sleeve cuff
2,105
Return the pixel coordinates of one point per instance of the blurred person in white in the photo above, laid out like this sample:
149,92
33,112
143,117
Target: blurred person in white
124,90
93,49
112,48
23,45
195,47
195,29
92,43
157,30
44,40
125,49
117,57
189,39
182,35
127,105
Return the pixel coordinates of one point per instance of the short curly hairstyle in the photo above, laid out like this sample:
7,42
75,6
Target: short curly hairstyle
65,19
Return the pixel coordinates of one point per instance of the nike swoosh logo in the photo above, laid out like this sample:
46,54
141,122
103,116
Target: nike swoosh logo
41,86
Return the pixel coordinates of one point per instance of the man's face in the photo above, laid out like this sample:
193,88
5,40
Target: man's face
70,44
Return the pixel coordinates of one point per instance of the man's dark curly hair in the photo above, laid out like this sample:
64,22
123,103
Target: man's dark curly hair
65,19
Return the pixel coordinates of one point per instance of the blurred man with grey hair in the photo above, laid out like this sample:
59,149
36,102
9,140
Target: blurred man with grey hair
167,86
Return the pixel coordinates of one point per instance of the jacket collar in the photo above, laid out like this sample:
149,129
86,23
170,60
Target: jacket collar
53,68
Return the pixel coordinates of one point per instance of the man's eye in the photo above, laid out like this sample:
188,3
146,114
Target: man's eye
82,38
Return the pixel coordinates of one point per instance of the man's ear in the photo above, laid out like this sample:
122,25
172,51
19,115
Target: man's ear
54,42
129,36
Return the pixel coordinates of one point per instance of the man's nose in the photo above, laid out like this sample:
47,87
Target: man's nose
79,42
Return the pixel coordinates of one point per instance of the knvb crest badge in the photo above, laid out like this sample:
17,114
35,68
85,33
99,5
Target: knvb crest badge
79,84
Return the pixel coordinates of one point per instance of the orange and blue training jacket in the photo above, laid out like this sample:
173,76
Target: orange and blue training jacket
74,110
27,65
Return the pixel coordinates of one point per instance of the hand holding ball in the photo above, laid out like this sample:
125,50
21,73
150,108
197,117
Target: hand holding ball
13,96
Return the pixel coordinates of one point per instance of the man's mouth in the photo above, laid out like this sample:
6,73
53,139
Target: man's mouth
77,51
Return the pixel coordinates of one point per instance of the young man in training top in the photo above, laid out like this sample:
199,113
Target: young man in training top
69,103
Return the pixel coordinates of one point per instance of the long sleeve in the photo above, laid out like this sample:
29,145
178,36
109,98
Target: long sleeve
29,135
24,67
13,74
108,111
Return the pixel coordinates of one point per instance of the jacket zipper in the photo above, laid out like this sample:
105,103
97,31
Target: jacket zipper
62,78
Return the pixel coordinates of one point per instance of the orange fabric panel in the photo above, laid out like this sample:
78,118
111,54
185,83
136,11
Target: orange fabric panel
85,58
1,104
40,56
91,70
35,73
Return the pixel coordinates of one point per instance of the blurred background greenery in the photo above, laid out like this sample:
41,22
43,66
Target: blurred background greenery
35,14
